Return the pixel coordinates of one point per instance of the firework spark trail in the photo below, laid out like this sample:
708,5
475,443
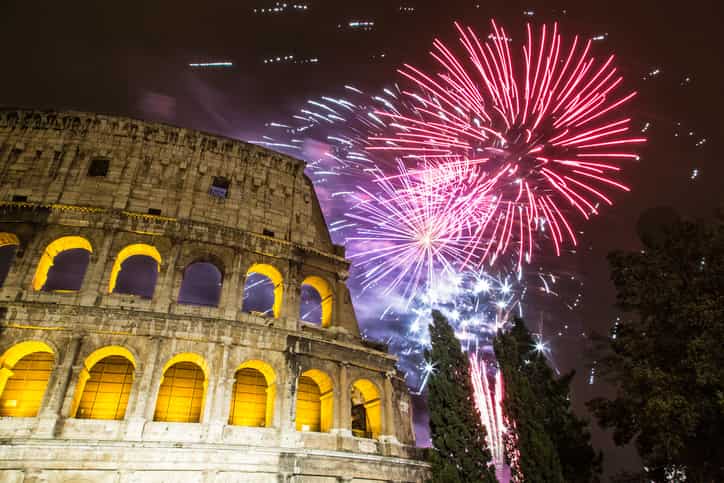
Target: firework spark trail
547,130
490,407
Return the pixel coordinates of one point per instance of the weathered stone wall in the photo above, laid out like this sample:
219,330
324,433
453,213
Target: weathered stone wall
44,157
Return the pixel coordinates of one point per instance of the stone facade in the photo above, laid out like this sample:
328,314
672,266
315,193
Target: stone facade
155,193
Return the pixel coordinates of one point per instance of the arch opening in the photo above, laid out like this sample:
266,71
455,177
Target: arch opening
182,391
366,409
316,301
135,271
315,402
201,285
63,265
25,371
8,248
253,395
104,384
107,389
263,290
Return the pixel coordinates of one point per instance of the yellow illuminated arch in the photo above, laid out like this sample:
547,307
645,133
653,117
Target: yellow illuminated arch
315,401
82,397
325,294
8,239
128,252
371,400
25,370
188,357
276,278
253,395
182,391
46,261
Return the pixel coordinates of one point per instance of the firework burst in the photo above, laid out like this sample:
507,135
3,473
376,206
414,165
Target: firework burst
546,127
413,228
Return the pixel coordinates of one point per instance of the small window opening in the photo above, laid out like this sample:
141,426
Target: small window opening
268,233
219,187
154,211
98,168
20,198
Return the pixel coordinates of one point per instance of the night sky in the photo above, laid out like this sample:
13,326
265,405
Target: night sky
131,58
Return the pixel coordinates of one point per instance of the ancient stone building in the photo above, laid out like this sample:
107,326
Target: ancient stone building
129,351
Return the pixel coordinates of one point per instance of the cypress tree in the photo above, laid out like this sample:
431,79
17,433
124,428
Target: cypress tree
460,453
553,443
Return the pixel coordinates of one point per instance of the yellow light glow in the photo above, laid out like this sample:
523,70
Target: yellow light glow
371,396
253,395
8,239
131,251
276,278
46,261
25,370
248,399
107,389
325,294
315,400
86,373
183,389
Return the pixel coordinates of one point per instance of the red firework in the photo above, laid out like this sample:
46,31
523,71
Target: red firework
546,127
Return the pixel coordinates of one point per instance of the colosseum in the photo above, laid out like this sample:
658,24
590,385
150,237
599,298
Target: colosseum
172,309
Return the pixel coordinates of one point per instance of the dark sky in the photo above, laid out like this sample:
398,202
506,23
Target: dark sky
131,58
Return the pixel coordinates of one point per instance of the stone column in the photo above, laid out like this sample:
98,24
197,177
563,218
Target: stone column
164,295
60,390
22,271
291,301
343,423
231,296
388,429
136,412
93,281
287,387
220,403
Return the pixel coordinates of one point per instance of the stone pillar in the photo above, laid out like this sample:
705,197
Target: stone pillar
164,295
219,415
212,381
60,390
22,271
343,423
143,390
388,428
231,296
93,283
291,301
287,387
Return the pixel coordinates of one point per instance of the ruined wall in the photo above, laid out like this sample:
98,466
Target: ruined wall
270,216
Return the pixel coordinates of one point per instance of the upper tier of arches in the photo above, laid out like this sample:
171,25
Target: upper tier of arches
135,269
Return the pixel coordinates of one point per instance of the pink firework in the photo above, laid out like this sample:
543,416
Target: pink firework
545,126
414,227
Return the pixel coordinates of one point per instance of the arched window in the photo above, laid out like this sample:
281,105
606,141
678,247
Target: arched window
8,246
24,373
366,413
315,401
263,290
104,384
252,397
135,271
316,301
183,386
201,285
63,265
